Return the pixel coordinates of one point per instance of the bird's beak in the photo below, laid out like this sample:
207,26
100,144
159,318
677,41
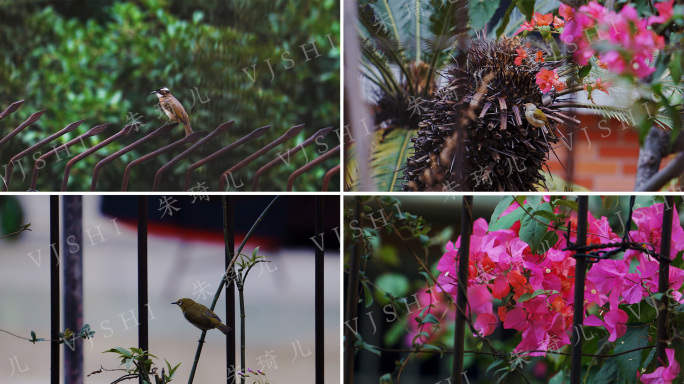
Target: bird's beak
176,301
153,92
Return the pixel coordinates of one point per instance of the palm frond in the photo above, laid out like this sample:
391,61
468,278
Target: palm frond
608,111
388,152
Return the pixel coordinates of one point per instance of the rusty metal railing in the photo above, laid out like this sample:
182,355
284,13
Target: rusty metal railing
196,140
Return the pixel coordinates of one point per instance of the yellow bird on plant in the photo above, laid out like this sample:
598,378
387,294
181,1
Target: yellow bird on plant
201,316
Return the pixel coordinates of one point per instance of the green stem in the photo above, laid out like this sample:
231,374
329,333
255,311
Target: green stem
223,282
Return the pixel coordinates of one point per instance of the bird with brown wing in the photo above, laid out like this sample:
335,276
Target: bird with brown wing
173,108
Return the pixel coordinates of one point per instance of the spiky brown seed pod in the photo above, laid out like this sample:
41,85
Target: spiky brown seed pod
475,126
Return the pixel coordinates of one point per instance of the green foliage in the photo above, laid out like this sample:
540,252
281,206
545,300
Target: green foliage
101,62
138,364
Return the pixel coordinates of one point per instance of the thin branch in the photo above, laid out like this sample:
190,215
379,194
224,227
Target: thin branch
660,179
223,282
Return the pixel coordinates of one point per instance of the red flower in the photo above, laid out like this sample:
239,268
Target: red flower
522,54
566,11
540,57
558,22
546,79
526,26
603,85
543,20
559,85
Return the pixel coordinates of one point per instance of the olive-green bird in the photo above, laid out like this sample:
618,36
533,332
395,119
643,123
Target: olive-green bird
201,316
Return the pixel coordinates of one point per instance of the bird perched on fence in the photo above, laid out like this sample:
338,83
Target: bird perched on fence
201,316
173,108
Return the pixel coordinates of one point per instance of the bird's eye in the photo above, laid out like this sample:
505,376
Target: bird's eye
180,303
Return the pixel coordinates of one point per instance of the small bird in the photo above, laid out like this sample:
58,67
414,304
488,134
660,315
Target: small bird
173,108
535,116
201,316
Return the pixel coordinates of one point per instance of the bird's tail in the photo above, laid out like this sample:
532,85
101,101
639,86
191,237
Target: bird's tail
223,328
188,129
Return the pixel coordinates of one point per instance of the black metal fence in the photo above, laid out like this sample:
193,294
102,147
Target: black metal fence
197,140
584,255
143,335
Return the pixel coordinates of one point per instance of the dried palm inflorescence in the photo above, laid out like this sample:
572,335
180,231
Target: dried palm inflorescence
474,135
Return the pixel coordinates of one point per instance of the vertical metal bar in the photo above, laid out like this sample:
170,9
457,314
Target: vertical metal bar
54,289
143,336
663,279
352,300
318,289
580,275
461,298
229,239
72,222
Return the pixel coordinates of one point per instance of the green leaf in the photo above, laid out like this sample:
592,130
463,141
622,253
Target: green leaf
533,229
567,203
493,365
504,203
610,202
608,372
386,379
640,312
526,7
197,16
546,214
424,240
584,71
506,18
629,363
547,242
368,295
123,351
508,220
430,347
481,12
676,67
395,283
430,318
558,378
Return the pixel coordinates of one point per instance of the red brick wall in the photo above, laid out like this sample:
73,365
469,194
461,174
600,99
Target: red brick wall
601,163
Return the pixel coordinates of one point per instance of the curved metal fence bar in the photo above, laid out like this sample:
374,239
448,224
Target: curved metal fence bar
321,133
187,139
307,167
160,131
251,136
32,119
11,109
292,132
220,130
328,176
92,132
125,131
22,154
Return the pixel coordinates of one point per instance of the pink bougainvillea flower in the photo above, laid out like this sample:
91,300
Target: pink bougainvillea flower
517,319
614,321
539,57
566,12
522,55
543,20
546,79
663,375
485,324
665,12
558,22
601,64
559,85
526,26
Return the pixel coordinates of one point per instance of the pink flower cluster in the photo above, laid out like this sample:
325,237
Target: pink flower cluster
501,263
631,42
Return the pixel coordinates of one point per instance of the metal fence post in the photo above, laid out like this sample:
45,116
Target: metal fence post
318,289
580,275
229,239
143,328
663,279
72,220
461,298
54,289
